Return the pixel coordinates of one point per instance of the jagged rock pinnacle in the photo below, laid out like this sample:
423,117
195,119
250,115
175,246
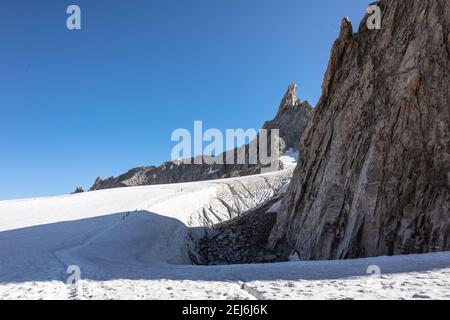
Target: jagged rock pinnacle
290,98
346,30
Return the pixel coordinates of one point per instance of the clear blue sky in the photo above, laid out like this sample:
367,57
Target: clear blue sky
75,105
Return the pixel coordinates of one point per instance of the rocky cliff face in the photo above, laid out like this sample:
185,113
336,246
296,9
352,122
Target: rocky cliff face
374,178
291,119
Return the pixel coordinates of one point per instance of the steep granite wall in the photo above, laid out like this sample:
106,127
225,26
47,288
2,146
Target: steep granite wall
374,177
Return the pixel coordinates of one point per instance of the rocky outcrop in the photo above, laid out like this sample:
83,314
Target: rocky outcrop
374,177
78,190
291,119
241,240
169,172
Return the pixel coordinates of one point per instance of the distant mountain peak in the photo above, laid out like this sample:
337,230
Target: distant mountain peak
290,98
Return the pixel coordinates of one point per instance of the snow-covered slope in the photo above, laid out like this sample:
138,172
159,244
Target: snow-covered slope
133,243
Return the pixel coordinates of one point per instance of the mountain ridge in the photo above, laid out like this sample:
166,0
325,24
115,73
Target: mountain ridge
291,119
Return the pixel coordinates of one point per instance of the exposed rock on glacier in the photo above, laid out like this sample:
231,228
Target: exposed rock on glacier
374,176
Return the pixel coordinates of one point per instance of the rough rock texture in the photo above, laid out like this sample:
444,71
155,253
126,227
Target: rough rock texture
374,177
236,197
241,240
291,119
